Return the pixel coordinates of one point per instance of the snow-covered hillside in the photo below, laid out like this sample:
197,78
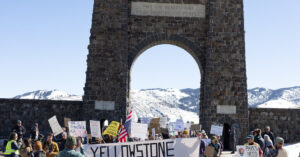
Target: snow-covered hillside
173,103
182,103
280,98
48,95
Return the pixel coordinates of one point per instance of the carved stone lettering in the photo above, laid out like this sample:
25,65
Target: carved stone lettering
167,9
104,105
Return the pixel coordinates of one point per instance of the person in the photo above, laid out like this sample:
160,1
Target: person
50,147
215,146
205,139
268,144
269,133
20,130
38,150
62,141
250,142
12,147
220,144
35,133
26,149
232,134
79,147
202,145
279,151
69,150
59,137
185,134
258,139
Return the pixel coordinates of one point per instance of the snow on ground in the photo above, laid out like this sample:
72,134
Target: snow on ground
279,103
293,149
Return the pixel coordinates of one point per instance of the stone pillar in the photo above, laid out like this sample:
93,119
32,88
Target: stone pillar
107,72
225,72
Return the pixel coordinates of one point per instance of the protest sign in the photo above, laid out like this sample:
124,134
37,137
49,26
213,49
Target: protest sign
209,151
154,123
77,128
139,130
66,121
145,120
179,120
206,141
196,127
95,128
178,125
216,130
153,133
112,129
163,122
247,151
164,130
56,128
184,147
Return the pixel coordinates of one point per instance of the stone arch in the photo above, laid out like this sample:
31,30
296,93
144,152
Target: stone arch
216,39
177,40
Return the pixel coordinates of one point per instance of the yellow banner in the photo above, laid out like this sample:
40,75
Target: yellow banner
112,129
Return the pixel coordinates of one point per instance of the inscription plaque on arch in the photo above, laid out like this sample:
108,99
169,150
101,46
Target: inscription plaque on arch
167,9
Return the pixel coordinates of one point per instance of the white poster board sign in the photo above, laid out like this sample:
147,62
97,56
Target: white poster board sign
95,128
163,122
187,125
55,127
216,130
139,130
77,128
178,125
247,151
145,120
206,141
181,147
153,133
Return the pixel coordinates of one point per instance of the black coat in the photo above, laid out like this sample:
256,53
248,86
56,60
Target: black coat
33,134
258,139
20,130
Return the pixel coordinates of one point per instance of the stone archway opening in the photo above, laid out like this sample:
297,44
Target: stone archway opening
165,80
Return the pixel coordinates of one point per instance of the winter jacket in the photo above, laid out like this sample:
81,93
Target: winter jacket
70,153
270,134
270,152
282,153
26,152
39,153
217,149
33,134
20,130
51,150
202,148
258,139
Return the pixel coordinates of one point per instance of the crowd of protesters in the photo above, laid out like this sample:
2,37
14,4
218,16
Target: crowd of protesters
268,145
38,145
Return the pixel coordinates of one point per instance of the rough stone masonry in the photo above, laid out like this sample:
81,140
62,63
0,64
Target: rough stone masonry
212,31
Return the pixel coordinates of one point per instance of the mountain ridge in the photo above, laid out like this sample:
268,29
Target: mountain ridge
182,103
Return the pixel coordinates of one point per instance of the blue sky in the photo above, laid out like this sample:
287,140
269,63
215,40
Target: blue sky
43,45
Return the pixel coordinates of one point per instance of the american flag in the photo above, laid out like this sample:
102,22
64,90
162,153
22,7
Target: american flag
123,134
127,124
125,131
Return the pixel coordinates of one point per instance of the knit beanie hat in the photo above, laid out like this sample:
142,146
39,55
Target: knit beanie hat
71,141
